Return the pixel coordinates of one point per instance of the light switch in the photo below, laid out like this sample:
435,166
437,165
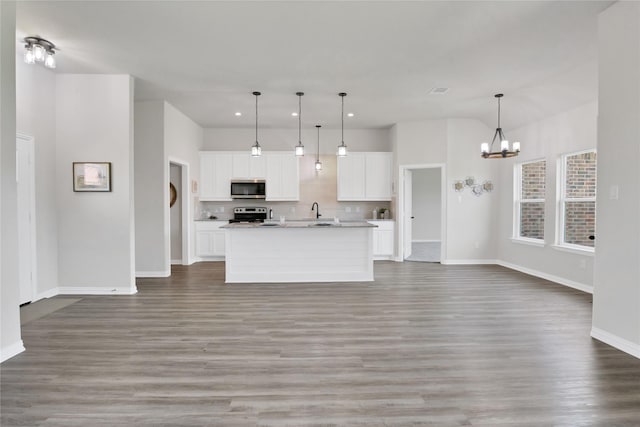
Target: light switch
613,192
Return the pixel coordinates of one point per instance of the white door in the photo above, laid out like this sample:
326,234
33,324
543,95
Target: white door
26,217
408,212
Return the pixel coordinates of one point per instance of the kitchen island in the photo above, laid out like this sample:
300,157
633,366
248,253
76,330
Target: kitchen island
299,251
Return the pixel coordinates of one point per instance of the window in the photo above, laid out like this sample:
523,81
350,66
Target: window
529,200
577,210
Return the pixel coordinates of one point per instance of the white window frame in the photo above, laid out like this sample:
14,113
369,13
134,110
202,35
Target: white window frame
518,200
561,200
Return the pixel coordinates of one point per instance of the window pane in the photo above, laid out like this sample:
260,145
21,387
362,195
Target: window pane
581,175
533,180
579,223
532,220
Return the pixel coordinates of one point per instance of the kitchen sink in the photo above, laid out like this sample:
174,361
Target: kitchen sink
269,224
324,224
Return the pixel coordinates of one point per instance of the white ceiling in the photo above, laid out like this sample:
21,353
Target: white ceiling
206,58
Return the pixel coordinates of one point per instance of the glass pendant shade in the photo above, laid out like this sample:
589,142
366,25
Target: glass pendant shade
299,150
29,56
318,165
50,61
342,150
39,52
256,150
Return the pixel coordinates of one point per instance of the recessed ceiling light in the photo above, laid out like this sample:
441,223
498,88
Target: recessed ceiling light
350,114
294,114
238,114
438,90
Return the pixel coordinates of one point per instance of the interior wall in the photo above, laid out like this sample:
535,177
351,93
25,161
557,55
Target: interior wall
547,139
95,229
427,204
175,213
286,139
183,140
36,113
616,297
471,220
149,159
10,336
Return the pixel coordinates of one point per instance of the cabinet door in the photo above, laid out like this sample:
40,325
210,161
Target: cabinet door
351,177
384,243
378,176
222,176
206,176
282,176
204,245
217,248
257,167
240,165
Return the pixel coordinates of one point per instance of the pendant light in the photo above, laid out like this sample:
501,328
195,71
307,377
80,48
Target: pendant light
342,149
318,163
487,150
300,147
256,150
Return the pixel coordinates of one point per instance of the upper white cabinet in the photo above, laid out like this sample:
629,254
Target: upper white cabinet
246,166
279,169
365,176
283,176
215,176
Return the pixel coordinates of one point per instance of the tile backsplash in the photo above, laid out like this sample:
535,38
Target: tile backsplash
315,186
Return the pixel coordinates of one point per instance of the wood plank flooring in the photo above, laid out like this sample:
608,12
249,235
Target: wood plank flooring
423,345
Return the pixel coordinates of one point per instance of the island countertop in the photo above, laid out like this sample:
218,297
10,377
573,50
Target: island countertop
300,224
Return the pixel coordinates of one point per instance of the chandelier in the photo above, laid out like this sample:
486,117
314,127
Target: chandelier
487,150
38,49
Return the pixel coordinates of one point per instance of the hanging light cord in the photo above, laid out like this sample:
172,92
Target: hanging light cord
318,152
257,120
498,111
299,119
342,119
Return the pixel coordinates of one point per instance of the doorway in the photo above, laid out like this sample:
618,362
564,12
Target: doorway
422,202
26,205
179,208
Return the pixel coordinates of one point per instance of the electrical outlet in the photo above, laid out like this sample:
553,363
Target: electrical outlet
347,209
221,208
358,209
293,209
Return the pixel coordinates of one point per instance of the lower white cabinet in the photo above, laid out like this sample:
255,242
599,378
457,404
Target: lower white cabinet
383,239
210,239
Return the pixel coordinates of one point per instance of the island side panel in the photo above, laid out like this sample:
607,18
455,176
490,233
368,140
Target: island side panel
267,255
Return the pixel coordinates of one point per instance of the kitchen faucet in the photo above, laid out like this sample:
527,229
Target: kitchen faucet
317,208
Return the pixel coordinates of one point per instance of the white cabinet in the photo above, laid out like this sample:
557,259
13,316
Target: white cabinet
365,176
215,176
210,239
283,176
245,166
383,239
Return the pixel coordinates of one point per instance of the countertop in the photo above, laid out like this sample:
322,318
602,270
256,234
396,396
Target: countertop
302,224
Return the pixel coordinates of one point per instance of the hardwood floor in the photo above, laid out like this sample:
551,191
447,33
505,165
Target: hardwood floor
423,345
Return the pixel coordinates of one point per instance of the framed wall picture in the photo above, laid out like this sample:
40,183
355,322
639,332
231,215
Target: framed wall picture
91,176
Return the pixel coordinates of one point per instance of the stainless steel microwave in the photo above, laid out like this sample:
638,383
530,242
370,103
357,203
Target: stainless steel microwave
248,189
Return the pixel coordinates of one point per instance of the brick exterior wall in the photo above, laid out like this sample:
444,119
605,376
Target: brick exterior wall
533,187
580,217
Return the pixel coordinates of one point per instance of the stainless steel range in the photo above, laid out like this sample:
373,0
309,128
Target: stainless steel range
249,215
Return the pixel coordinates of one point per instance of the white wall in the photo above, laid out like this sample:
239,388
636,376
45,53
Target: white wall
183,140
471,219
427,204
95,230
10,339
36,114
175,212
616,299
548,139
150,190
287,139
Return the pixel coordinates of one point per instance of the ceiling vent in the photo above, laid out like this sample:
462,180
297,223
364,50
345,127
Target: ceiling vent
438,91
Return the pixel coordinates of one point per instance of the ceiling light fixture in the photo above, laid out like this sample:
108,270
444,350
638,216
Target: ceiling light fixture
318,164
487,150
342,149
350,114
299,147
39,50
256,150
238,114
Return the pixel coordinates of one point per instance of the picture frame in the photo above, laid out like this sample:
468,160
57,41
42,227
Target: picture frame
91,176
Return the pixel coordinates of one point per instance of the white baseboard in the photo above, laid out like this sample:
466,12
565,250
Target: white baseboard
11,350
561,280
468,261
46,294
426,241
86,290
176,262
616,342
208,258
163,273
